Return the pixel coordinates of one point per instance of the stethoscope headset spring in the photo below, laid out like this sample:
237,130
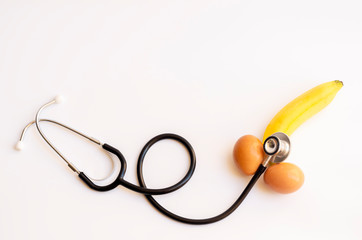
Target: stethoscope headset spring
276,149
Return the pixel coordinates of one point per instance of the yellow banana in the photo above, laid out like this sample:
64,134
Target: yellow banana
302,108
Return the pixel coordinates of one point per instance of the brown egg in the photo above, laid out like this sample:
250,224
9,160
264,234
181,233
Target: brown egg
284,177
248,154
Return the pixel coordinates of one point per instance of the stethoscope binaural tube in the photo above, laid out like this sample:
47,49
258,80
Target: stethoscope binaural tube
276,148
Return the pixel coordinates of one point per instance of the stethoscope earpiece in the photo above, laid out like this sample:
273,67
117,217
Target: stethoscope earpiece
59,99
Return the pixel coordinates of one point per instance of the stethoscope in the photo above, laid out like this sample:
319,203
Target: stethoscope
276,148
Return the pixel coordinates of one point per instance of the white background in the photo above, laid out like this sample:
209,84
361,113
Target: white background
210,71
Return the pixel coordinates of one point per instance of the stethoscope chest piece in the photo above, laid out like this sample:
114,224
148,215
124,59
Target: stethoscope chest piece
276,148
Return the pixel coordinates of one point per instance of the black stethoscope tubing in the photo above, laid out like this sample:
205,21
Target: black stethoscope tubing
277,156
148,193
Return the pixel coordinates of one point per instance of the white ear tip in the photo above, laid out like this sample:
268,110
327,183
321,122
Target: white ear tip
59,99
19,146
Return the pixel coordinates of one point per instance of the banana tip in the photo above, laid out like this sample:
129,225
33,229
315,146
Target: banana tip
338,82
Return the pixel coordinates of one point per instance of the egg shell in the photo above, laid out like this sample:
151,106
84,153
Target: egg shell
284,177
248,154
